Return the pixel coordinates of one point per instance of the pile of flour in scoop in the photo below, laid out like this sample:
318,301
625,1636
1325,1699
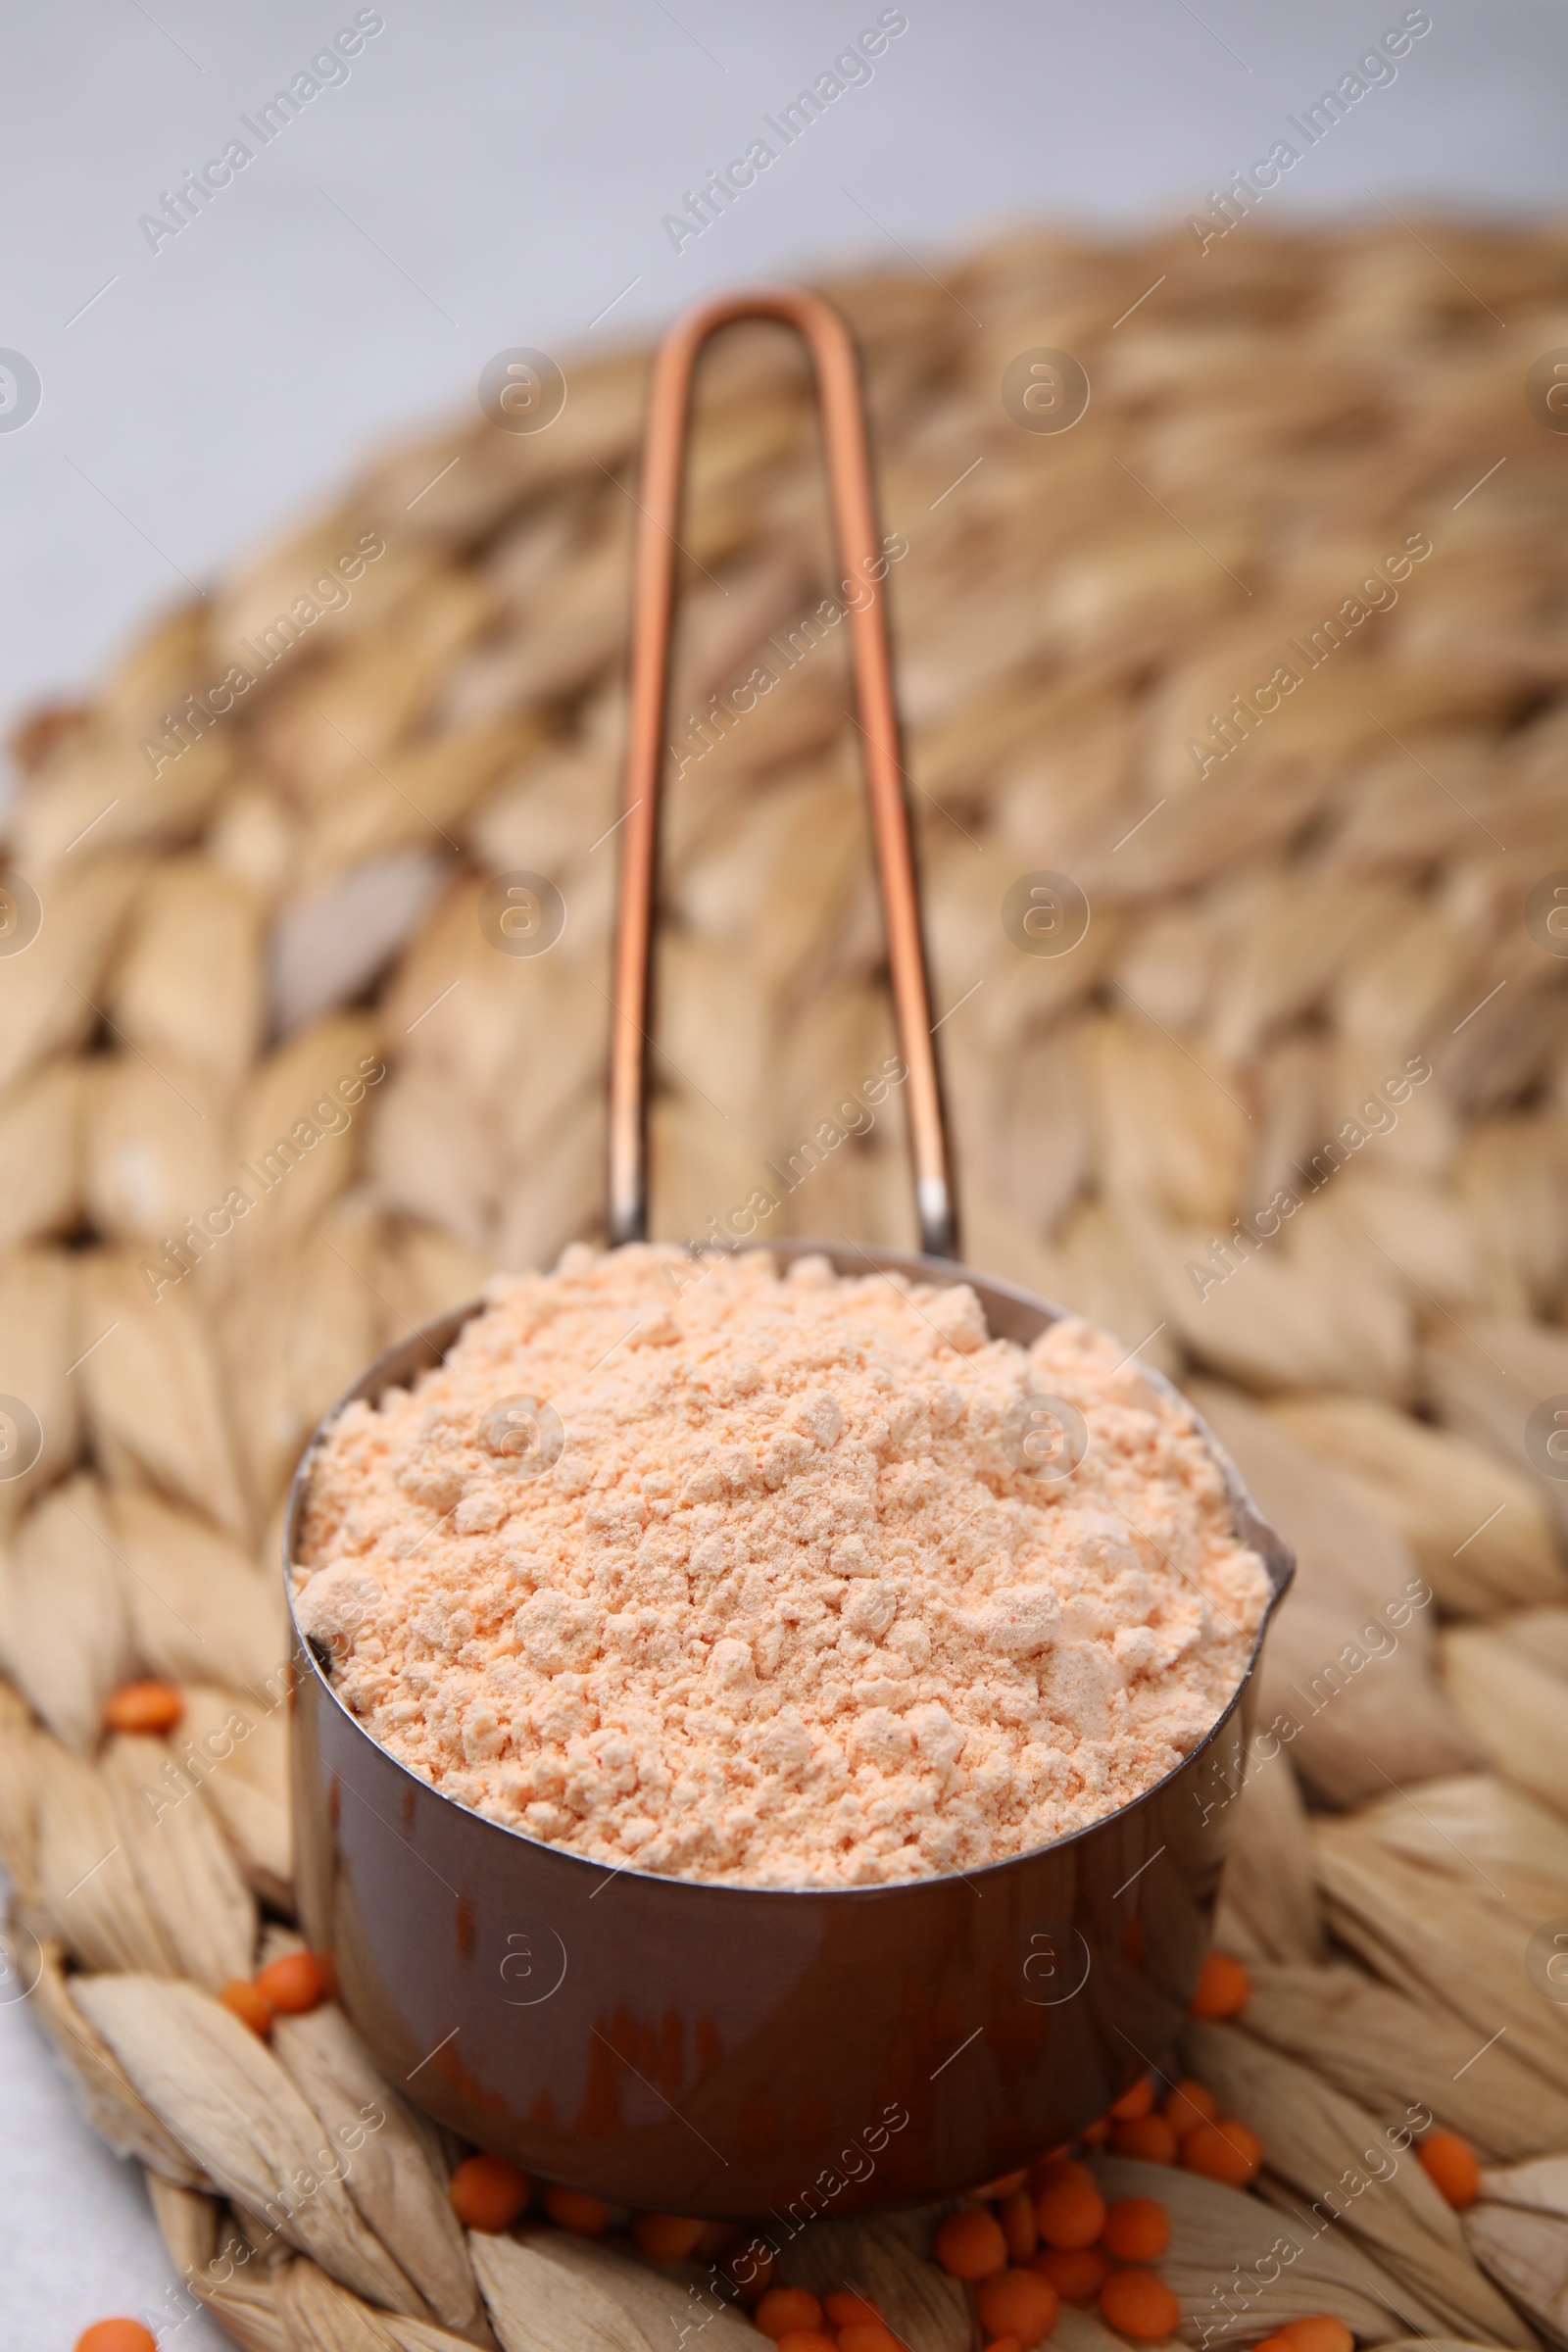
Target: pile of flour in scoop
790,1604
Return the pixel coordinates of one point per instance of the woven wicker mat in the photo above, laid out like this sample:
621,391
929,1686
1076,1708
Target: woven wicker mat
1263,655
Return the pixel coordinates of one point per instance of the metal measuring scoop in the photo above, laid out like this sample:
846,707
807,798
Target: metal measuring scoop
737,2051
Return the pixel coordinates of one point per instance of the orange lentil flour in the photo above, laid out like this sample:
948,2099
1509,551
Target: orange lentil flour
789,1605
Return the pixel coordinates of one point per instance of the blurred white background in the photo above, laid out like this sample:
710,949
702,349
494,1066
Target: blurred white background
494,174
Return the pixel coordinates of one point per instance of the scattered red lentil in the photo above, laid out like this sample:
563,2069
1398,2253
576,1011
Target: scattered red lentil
1188,2105
1070,2213
1449,2164
142,1707
970,2244
752,2281
664,2237
1137,2230
1139,2304
1017,2214
1225,2152
1223,1987
868,2335
574,2209
293,1984
246,2001
1318,2335
788,2311
487,2193
1077,2272
1018,2303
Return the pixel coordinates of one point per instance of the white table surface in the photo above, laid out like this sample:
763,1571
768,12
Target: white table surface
493,174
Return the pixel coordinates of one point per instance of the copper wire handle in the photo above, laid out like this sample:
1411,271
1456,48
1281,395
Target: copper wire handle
833,356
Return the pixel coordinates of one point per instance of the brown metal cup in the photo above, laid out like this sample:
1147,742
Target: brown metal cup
736,2051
